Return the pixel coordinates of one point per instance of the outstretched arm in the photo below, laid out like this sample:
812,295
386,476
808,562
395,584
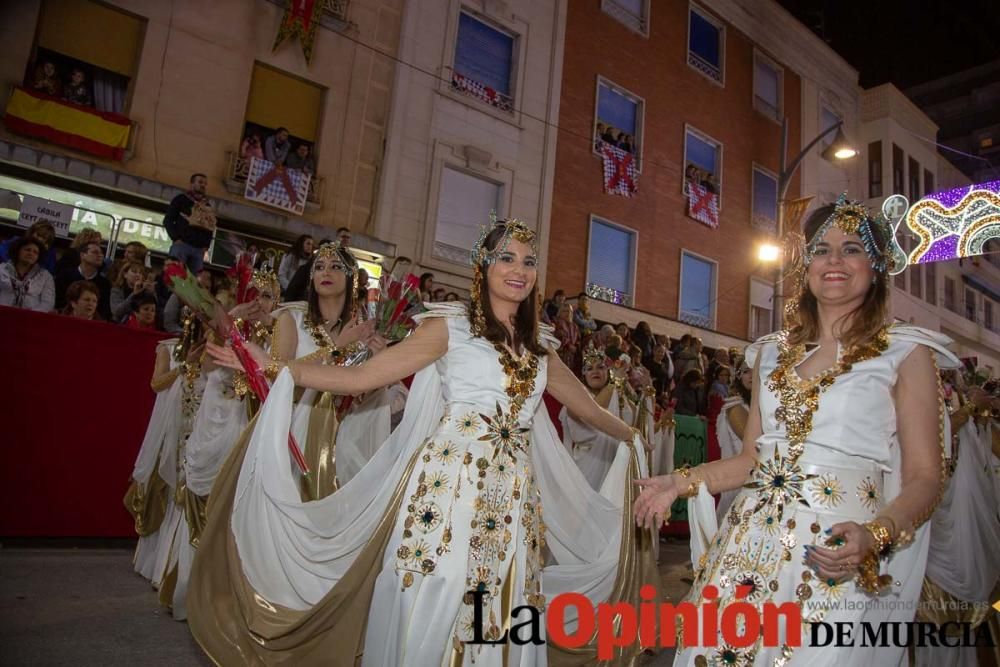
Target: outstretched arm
659,493
568,390
423,347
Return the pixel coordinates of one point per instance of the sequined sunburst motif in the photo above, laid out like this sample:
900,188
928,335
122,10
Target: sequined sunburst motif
727,655
416,553
447,453
437,483
469,423
827,491
868,494
428,517
779,481
766,522
504,433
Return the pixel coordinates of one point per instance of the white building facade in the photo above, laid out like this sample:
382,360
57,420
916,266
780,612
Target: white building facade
472,128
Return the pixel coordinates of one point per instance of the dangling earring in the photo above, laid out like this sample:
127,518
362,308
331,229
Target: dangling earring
478,320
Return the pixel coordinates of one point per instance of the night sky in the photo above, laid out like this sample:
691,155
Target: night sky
905,43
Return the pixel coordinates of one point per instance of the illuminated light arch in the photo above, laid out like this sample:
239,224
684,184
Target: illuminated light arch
955,223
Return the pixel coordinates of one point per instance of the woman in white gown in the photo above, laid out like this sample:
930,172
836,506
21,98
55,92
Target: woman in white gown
384,570
221,419
731,423
326,328
962,566
593,450
845,465
146,499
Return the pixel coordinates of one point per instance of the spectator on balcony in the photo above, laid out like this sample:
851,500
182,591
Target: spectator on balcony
568,334
298,255
642,337
692,176
609,136
91,261
47,79
277,146
361,299
143,315
554,305
626,143
661,369
135,252
71,256
78,92
710,183
44,233
82,300
452,296
301,159
599,135
438,295
134,281
190,224
344,237
252,148
691,394
582,317
427,286
24,283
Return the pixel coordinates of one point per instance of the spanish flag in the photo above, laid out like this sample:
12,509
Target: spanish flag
35,114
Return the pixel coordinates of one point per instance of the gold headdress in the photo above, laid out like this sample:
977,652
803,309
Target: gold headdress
851,217
333,250
594,356
265,280
482,257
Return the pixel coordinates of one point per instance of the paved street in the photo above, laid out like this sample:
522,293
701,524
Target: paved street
86,607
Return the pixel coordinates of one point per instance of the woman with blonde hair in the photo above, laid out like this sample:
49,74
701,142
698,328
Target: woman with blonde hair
134,280
840,464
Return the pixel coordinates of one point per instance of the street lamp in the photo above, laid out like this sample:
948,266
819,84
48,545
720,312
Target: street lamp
839,149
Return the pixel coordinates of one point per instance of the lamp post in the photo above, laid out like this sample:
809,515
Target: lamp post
839,149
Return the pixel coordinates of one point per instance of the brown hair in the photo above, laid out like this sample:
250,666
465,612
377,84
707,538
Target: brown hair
76,290
526,318
863,323
85,236
125,268
312,298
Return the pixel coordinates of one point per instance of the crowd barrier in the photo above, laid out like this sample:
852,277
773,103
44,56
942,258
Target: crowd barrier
76,401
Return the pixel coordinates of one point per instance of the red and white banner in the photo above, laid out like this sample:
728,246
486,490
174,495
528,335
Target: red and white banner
703,205
620,174
277,186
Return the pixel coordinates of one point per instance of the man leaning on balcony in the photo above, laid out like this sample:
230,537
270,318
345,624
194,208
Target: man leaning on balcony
190,224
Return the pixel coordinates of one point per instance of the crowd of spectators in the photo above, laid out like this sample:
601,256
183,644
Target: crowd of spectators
279,149
609,135
682,372
72,88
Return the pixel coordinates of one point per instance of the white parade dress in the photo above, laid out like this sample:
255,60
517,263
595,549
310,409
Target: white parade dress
457,494
593,450
361,431
220,420
163,426
849,467
962,563
730,444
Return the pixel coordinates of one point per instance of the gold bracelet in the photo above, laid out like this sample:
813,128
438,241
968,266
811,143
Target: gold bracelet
272,369
882,537
693,484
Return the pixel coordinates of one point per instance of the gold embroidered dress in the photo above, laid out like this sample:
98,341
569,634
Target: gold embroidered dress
461,497
829,453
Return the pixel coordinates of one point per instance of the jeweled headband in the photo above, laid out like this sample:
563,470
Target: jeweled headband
594,356
333,250
513,229
264,280
853,217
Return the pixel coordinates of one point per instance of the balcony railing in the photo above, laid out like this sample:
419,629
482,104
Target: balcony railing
238,169
636,22
704,66
697,319
81,128
608,294
483,93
